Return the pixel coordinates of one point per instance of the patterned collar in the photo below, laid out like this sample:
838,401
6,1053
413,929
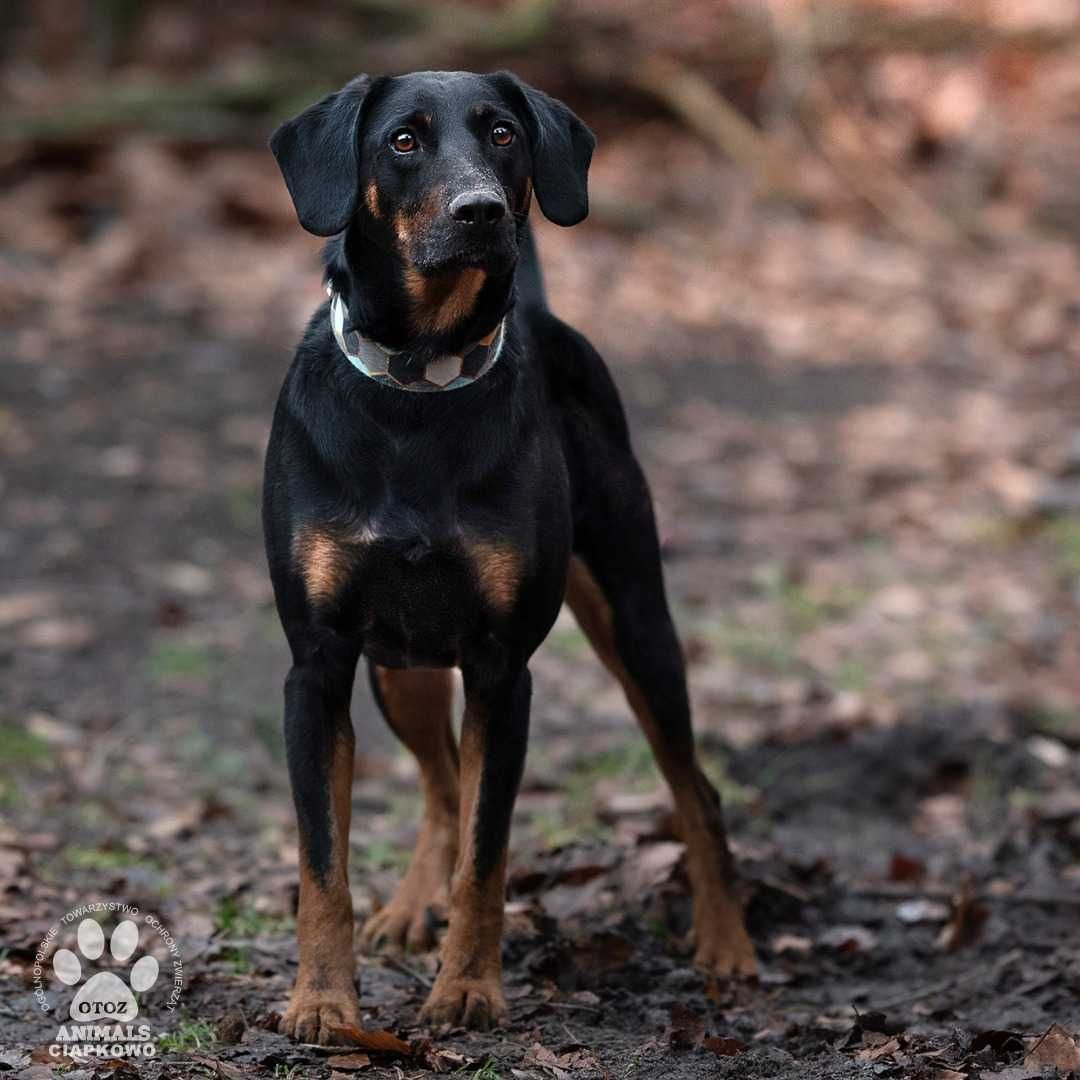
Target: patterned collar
390,368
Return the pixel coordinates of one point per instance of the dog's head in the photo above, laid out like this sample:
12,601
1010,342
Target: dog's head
444,164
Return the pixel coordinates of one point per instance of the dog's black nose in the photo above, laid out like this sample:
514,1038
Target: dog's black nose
477,208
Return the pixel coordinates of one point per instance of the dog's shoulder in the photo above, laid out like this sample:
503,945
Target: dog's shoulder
579,383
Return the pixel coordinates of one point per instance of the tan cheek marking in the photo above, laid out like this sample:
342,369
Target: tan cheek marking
458,302
325,564
440,303
416,287
372,199
437,303
498,572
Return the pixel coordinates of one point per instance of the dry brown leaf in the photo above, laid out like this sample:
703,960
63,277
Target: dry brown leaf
723,1047
1057,1048
381,1042
442,1061
876,1053
350,1062
791,943
653,865
904,868
224,1069
965,923
848,939
687,1028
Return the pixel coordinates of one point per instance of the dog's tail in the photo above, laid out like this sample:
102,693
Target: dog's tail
530,279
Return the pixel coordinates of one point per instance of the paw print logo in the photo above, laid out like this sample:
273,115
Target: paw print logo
105,996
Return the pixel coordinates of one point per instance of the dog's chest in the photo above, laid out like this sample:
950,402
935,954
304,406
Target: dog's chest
415,585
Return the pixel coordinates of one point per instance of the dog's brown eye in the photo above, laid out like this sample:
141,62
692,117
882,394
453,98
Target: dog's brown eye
404,142
501,135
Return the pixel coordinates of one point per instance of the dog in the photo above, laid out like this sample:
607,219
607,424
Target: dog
448,462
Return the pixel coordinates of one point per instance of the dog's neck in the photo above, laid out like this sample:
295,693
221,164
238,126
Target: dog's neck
405,311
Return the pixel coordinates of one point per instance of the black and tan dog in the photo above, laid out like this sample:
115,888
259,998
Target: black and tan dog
449,462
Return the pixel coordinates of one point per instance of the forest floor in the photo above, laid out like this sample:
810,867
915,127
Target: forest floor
866,460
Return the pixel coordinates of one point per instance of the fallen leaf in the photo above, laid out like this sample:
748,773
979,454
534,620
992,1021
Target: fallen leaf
791,943
965,923
922,910
905,868
848,939
59,633
1056,1048
723,1047
652,865
381,1042
875,1053
350,1062
180,821
442,1060
1053,753
687,1028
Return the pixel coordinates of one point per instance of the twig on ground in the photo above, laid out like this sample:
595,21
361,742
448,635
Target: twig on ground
405,969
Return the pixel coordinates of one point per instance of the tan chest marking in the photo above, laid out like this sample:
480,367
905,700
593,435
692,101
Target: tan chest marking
498,569
326,560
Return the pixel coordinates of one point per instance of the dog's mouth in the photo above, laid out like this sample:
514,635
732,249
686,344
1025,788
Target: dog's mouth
495,253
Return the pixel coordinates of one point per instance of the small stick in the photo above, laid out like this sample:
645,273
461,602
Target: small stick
400,965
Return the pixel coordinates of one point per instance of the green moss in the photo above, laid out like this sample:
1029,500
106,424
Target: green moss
1064,538
189,1036
107,859
174,659
21,747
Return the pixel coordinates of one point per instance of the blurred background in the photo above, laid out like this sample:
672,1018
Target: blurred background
832,262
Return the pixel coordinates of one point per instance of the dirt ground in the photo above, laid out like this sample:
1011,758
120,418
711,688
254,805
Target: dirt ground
866,459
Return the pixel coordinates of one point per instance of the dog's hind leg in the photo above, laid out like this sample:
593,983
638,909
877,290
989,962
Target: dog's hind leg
417,704
616,591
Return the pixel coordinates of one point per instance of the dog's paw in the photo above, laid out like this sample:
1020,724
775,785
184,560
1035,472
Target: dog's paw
422,898
723,948
476,1003
312,1015
410,919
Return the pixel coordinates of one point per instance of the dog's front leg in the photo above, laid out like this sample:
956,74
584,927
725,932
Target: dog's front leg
319,743
468,989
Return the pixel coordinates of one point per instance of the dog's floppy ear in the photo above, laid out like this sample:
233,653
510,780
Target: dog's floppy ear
562,148
318,153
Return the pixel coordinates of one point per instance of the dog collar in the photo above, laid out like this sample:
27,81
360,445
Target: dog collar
393,368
